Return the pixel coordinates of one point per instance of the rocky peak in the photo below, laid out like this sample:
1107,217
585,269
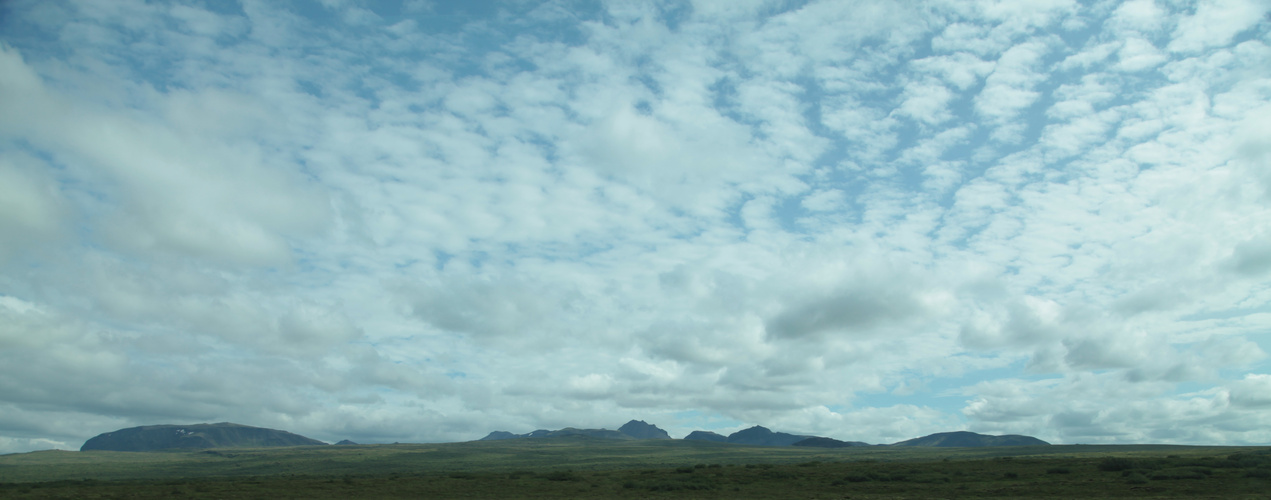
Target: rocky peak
640,429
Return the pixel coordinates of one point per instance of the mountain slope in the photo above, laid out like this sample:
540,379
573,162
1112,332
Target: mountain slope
971,439
166,437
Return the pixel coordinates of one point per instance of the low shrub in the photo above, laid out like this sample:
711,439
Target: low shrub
686,483
1115,464
1182,473
1136,478
561,475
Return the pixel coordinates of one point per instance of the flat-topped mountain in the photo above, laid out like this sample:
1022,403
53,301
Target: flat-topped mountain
167,437
970,439
635,429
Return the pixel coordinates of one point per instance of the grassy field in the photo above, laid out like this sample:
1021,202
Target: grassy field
597,468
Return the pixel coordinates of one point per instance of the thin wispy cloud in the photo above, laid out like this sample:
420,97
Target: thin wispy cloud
423,221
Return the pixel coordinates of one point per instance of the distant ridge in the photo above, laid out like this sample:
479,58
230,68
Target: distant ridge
762,436
824,442
966,439
635,429
168,437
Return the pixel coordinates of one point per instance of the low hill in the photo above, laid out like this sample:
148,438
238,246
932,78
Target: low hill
706,436
966,439
168,437
596,433
824,442
499,435
761,436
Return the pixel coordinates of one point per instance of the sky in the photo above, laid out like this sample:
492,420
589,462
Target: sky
423,221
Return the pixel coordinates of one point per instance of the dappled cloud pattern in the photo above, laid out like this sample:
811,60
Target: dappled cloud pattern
418,221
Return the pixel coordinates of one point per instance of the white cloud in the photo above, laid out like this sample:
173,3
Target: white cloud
926,102
1138,54
1216,22
961,69
178,191
969,38
1139,15
32,208
823,200
1089,56
1011,88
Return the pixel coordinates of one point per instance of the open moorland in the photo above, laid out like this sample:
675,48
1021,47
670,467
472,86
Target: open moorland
599,468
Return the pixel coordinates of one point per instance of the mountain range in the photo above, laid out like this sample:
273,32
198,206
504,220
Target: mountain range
229,435
762,436
635,429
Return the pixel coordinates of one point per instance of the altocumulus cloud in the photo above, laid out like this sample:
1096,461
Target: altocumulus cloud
422,221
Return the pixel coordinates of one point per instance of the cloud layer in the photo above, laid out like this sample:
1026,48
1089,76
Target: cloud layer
425,221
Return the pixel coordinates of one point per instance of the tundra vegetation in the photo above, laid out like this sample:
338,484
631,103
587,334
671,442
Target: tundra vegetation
586,467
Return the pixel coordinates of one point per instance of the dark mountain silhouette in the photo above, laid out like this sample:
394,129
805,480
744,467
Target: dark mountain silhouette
824,442
346,442
705,436
498,435
971,439
635,429
167,437
640,429
761,436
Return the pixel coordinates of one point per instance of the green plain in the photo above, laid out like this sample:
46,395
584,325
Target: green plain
600,468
